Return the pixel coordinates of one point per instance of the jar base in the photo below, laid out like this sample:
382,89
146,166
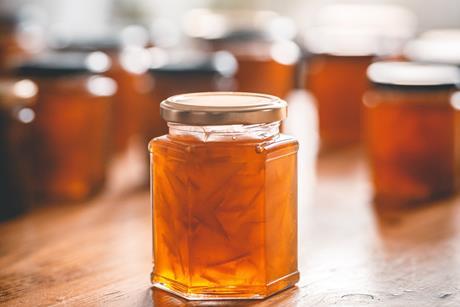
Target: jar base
225,293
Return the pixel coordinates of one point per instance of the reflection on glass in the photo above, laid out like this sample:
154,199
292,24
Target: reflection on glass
101,86
98,62
25,89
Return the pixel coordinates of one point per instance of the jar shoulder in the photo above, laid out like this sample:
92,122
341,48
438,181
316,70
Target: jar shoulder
280,142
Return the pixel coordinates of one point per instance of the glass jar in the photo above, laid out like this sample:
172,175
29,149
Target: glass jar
17,100
412,124
127,65
72,126
337,84
177,72
265,67
261,41
224,190
342,42
135,87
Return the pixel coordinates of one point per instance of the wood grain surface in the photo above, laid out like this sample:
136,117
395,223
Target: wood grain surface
351,253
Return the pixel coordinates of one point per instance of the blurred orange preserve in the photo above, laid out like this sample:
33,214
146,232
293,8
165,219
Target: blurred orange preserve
413,141
261,41
185,72
224,211
133,95
128,66
70,150
259,70
338,83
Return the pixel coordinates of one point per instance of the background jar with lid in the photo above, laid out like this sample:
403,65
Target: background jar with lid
70,149
17,99
261,41
340,44
127,64
224,184
177,72
412,132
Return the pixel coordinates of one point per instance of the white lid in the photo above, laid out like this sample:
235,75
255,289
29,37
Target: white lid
436,46
360,29
413,74
221,23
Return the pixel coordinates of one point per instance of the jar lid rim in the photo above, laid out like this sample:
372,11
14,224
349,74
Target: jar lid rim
223,108
63,63
441,51
410,74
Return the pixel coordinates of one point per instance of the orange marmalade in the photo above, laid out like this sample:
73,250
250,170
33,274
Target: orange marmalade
412,132
224,198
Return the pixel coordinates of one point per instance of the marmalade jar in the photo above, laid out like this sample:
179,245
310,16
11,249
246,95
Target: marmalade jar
185,72
265,67
17,113
342,42
72,126
337,84
128,65
224,190
261,41
413,126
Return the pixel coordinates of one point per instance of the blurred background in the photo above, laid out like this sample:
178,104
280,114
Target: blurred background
81,81
86,17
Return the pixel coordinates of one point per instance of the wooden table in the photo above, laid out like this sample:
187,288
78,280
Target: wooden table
99,253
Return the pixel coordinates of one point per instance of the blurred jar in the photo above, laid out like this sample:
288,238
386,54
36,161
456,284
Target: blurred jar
341,44
135,92
440,46
261,41
17,99
72,126
128,65
412,131
177,72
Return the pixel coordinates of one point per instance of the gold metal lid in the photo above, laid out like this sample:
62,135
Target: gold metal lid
223,108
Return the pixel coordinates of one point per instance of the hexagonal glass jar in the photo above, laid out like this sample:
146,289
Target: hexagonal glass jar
224,185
